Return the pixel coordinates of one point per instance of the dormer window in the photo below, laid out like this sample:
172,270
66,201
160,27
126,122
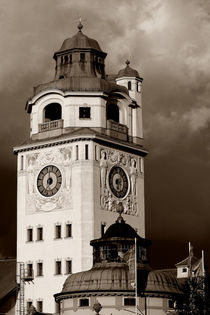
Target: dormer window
52,112
129,85
113,112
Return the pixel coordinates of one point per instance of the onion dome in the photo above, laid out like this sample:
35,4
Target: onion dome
79,41
128,71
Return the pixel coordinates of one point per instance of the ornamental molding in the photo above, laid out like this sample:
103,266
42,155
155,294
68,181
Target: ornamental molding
108,159
60,157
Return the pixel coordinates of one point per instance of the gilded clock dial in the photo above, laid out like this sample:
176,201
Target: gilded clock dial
49,181
118,182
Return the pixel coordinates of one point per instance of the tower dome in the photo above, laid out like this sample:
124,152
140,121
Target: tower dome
128,71
79,41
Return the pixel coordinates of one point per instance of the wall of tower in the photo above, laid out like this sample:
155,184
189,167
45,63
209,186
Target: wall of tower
82,201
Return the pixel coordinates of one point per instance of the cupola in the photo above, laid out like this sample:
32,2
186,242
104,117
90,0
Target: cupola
79,56
118,240
128,72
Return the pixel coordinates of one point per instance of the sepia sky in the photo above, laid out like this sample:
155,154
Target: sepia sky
168,43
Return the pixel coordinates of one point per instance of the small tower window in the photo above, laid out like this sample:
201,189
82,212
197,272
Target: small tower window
30,235
129,85
129,301
113,112
70,58
61,77
52,112
29,270
83,302
68,230
40,234
61,59
86,152
84,112
77,153
39,269
66,58
58,231
82,57
39,306
68,267
28,305
58,267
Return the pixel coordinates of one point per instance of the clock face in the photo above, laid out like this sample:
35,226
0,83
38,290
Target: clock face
118,182
49,181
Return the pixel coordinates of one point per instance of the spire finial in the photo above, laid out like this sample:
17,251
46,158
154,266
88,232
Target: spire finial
119,208
127,62
80,25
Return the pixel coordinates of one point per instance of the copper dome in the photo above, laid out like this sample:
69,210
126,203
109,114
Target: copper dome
79,41
116,277
128,72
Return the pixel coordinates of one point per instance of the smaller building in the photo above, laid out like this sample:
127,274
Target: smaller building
8,286
109,286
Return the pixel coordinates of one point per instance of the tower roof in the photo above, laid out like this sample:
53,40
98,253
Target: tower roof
79,41
128,71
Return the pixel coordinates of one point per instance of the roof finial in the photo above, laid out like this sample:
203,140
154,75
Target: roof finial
80,25
127,62
119,208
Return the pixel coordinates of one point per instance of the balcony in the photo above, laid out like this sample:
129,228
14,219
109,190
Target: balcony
117,130
51,125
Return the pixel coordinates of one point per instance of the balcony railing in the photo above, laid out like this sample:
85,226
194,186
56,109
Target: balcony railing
51,125
111,124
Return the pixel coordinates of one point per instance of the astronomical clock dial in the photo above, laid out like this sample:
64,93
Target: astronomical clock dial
49,181
118,182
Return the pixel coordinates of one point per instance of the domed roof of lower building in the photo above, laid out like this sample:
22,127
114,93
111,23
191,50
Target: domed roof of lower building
116,277
112,276
162,282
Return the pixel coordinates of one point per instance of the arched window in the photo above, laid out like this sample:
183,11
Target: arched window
52,112
113,112
129,85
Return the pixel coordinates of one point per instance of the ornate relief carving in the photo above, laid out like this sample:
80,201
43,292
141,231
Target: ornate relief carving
61,157
108,159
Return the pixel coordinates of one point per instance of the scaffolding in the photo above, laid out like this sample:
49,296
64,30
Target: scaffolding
23,276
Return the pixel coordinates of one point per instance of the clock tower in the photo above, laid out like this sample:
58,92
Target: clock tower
83,159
